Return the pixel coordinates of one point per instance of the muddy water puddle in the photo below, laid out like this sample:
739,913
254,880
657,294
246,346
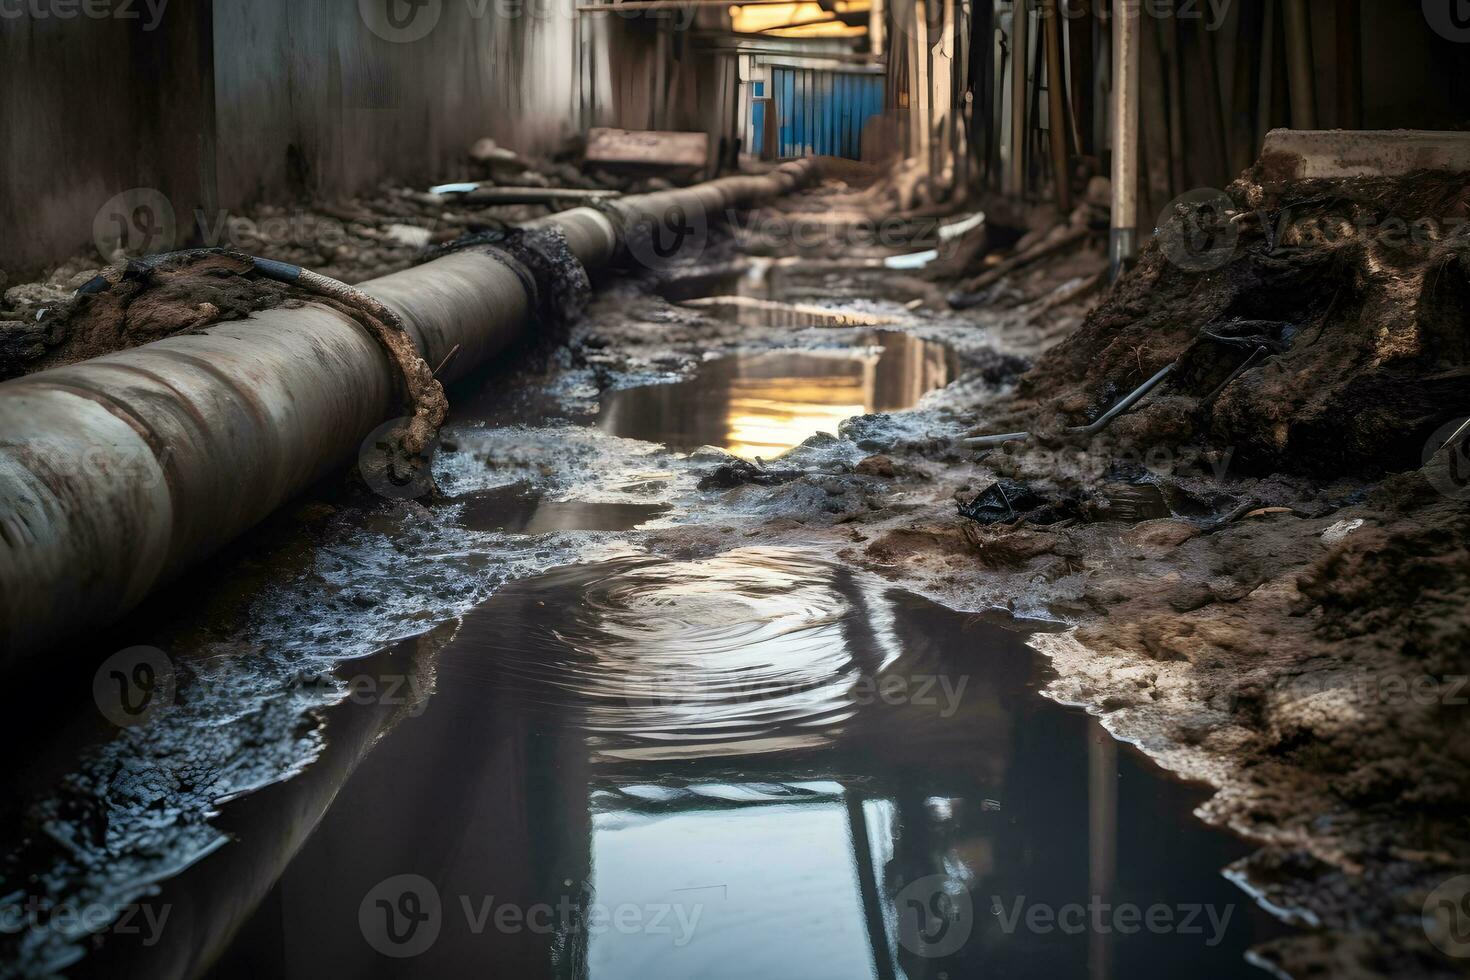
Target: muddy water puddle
763,404
758,764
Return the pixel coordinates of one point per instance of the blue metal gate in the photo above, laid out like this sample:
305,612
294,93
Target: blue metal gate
819,111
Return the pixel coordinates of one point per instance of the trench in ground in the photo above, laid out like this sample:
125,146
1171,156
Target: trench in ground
761,763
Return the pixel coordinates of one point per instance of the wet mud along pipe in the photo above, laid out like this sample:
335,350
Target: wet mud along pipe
119,472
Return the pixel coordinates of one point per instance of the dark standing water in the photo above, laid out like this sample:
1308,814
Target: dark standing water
764,404
757,765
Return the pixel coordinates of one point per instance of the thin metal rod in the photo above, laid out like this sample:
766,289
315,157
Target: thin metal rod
981,442
1126,403
1245,365
986,442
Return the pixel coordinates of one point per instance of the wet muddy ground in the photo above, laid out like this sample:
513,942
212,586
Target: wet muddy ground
629,657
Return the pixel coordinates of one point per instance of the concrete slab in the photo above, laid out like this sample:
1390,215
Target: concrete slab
647,148
1295,154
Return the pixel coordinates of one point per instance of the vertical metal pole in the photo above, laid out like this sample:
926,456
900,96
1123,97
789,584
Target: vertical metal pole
1123,245
1299,64
1020,43
1056,132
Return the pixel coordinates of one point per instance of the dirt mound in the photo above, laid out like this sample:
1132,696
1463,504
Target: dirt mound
1349,300
1300,645
147,302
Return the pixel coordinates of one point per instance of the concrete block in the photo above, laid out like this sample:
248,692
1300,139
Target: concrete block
1295,154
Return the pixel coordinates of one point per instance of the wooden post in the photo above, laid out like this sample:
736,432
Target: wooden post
1020,22
1349,36
1299,64
1153,118
1268,73
1057,113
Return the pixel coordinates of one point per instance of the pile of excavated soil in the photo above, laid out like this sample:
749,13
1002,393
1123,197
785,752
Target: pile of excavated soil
148,303
1297,633
1357,292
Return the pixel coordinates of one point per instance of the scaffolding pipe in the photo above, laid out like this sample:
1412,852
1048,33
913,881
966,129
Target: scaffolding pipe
120,472
1123,246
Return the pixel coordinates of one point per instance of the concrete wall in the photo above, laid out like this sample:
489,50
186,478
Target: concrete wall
308,99
224,103
90,107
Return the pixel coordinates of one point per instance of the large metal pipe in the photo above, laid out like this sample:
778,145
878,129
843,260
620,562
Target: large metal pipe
119,472
1123,246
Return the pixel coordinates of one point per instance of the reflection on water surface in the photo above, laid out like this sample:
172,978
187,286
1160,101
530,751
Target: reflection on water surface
764,404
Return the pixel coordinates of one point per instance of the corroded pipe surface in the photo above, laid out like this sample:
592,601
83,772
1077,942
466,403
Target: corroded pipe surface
118,473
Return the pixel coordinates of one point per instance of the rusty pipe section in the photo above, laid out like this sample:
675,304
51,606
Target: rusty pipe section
120,472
